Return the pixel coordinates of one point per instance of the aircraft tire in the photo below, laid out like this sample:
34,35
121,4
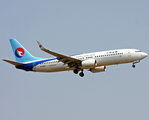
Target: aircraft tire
75,71
133,66
81,74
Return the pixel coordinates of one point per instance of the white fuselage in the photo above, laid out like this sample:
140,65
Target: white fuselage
104,58
95,62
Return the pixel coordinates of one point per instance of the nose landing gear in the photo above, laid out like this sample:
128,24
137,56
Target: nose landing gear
133,65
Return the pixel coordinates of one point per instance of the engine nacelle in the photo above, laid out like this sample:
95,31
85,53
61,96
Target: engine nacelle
90,63
98,69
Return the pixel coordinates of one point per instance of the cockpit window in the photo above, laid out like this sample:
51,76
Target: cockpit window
138,51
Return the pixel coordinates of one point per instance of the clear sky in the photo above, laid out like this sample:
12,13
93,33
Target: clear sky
73,27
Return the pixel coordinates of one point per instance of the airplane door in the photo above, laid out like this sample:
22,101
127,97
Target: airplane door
129,54
34,64
34,67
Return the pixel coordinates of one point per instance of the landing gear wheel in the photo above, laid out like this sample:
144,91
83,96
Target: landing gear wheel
133,66
81,74
75,71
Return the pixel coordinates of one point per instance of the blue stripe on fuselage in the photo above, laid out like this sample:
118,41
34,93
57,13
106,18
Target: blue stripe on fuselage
29,66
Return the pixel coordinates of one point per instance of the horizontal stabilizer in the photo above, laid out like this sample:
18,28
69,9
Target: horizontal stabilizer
14,63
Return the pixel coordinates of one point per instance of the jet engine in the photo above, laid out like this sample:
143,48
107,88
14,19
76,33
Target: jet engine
90,63
98,69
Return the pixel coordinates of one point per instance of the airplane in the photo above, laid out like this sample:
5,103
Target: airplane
94,62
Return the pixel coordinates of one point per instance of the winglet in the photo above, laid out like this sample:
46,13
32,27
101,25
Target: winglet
41,47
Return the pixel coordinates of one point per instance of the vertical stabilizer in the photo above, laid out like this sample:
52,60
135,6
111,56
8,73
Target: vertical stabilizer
21,54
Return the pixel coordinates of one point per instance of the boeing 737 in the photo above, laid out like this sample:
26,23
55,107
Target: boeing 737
94,62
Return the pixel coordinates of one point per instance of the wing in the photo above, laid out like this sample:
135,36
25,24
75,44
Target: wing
62,58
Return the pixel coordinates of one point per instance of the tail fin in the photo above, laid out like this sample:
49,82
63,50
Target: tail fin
21,54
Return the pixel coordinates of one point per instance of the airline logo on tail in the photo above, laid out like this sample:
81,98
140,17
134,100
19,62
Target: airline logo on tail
19,52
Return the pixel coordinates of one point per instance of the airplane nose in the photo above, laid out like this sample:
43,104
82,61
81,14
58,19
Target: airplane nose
144,55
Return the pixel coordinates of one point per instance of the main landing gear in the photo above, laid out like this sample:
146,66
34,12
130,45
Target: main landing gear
76,72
